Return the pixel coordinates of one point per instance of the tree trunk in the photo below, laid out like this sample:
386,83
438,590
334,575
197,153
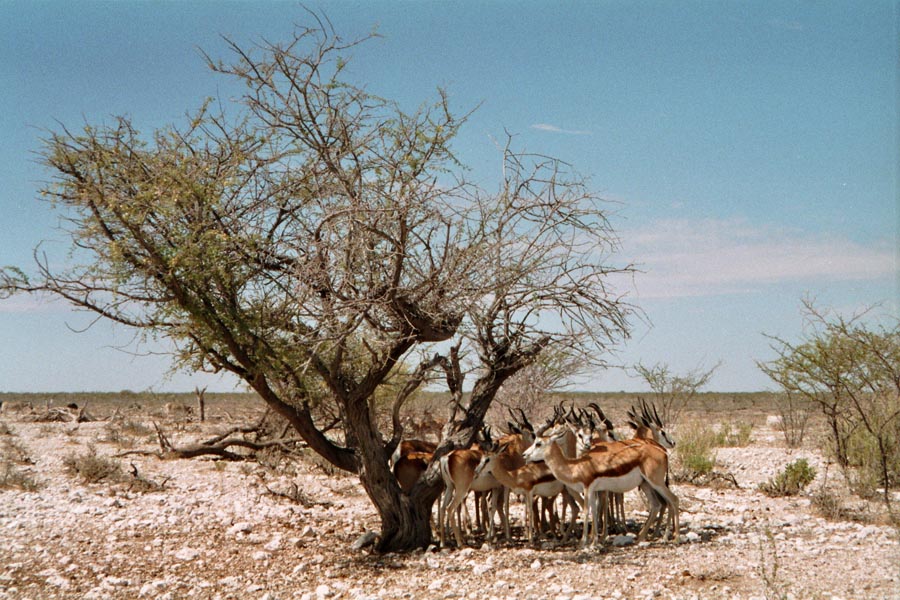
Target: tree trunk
405,526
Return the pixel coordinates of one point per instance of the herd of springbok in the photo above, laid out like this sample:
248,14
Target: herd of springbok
573,456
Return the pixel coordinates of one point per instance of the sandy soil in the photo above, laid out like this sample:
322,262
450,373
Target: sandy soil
216,530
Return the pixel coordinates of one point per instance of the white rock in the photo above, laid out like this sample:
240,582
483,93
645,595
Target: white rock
58,581
187,553
242,527
260,555
692,536
435,585
308,531
323,591
536,564
300,568
481,569
274,544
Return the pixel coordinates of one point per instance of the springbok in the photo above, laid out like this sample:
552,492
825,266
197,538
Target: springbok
458,472
612,467
648,426
532,480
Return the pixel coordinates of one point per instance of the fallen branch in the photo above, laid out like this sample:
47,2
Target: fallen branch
296,495
217,446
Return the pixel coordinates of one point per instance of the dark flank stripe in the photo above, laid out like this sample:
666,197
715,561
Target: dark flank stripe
548,478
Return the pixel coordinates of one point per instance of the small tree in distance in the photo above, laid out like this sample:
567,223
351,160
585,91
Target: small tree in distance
672,392
322,240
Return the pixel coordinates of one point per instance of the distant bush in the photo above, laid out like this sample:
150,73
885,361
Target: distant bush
11,477
91,467
829,505
791,481
728,436
794,410
13,453
695,451
122,432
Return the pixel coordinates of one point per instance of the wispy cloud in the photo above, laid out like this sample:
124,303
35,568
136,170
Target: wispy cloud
713,257
555,129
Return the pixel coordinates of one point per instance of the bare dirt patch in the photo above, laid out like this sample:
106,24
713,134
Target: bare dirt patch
216,529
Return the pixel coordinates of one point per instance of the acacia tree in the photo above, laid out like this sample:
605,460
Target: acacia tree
851,371
321,238
673,392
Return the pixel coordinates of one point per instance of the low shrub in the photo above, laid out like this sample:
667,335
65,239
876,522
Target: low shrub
91,467
791,481
695,451
731,436
828,504
11,477
870,462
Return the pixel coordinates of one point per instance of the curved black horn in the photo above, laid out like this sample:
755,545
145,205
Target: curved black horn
525,422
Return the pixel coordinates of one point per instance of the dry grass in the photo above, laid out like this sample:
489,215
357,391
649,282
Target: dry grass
91,467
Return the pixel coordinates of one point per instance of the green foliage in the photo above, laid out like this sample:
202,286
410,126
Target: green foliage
851,371
870,456
730,436
791,481
695,453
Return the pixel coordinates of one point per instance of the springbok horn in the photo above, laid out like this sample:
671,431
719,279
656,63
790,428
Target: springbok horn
525,422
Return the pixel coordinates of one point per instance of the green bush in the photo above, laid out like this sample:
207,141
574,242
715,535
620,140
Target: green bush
695,452
728,437
867,460
790,482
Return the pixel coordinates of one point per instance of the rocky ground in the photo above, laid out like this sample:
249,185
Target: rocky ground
216,530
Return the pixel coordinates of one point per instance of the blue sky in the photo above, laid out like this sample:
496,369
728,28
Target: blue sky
749,149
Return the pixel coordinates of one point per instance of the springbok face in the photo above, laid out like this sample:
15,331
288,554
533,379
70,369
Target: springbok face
538,448
535,452
664,439
486,463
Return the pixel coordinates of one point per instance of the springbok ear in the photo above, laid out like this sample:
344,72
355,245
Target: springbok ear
633,425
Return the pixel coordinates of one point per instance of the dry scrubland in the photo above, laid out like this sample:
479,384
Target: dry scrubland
281,527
